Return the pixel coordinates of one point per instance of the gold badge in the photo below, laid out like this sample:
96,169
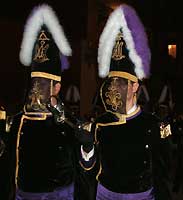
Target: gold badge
41,49
2,114
165,130
87,126
117,53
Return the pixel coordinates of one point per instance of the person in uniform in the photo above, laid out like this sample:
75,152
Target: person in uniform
5,159
129,145
2,129
177,138
43,145
3,156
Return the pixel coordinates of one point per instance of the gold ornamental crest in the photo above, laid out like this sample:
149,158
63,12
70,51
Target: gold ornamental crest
41,48
117,53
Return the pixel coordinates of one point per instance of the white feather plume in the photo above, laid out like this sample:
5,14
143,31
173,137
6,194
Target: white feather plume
107,41
42,14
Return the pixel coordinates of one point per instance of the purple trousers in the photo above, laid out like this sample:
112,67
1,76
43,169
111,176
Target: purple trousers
105,194
66,193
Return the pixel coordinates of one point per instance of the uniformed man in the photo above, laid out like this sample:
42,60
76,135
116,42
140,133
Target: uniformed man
2,129
129,143
5,172
44,147
177,137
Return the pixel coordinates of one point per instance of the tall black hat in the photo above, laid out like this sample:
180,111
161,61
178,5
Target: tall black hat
123,55
44,46
123,46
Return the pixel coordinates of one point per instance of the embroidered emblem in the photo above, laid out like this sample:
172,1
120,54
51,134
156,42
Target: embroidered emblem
165,130
36,98
113,97
87,126
41,49
117,53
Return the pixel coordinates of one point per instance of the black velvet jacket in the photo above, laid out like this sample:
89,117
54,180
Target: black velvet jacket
132,155
45,154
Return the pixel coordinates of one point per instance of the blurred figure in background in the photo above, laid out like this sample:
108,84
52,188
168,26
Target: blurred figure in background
5,173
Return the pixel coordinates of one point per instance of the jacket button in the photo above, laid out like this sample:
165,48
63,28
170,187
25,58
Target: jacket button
57,164
20,148
149,131
60,148
63,133
145,162
146,146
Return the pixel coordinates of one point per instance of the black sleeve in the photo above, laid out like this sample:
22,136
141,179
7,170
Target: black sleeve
86,183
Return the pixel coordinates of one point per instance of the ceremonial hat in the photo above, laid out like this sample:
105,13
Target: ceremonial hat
123,46
44,45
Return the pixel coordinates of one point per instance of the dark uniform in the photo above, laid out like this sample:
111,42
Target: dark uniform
45,154
137,161
2,154
43,147
5,164
2,129
132,155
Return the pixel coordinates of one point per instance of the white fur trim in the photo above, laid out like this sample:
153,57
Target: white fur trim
42,14
107,40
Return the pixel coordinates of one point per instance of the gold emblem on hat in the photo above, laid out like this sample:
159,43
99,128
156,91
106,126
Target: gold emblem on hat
41,48
117,53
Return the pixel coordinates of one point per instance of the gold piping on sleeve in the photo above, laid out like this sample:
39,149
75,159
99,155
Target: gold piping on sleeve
99,172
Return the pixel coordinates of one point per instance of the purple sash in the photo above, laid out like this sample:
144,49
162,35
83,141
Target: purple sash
66,193
104,194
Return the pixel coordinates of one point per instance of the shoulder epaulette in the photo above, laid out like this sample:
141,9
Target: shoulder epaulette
2,114
165,130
